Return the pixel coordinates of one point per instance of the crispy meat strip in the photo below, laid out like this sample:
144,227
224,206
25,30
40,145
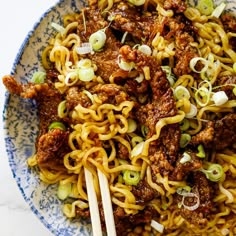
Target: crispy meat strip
164,151
219,135
51,146
105,59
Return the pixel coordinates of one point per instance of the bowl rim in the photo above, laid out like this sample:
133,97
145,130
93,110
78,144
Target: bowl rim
7,97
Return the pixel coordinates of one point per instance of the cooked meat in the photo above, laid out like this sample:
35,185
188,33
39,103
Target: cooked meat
143,192
203,188
204,137
225,132
74,97
125,223
219,134
161,104
181,171
229,81
122,151
105,59
177,5
110,93
229,24
52,146
128,18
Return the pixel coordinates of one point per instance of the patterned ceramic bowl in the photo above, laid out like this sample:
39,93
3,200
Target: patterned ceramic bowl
21,126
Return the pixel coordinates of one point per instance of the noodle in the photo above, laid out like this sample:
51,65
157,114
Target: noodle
122,115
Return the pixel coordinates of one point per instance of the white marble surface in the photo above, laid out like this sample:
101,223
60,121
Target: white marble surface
16,20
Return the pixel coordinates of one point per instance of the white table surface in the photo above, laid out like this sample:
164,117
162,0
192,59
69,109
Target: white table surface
16,20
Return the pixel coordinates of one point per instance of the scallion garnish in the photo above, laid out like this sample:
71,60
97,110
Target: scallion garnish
131,177
97,40
201,152
57,125
214,172
38,77
184,140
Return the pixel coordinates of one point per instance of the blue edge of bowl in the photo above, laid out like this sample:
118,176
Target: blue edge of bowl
7,99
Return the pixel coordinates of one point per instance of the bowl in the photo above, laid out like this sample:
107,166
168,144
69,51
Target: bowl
21,126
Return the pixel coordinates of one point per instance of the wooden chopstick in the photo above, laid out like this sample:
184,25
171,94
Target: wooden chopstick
106,202
93,204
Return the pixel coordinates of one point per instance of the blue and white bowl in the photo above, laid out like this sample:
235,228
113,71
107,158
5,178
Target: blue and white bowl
21,126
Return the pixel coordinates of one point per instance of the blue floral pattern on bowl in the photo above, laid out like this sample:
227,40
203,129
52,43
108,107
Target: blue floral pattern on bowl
21,126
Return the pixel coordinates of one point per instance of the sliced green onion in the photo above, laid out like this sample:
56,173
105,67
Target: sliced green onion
201,152
85,48
193,62
132,125
124,37
63,191
220,98
192,113
234,67
58,28
145,49
62,110
218,10
140,78
131,177
38,77
184,125
57,125
71,78
186,158
205,7
169,75
137,2
183,191
127,66
157,226
234,91
84,63
135,140
184,140
86,74
97,40
202,96
214,172
144,130
137,150
181,92
186,192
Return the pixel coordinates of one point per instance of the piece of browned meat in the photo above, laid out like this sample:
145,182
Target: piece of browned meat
204,189
182,170
164,151
106,58
219,135
128,18
227,84
51,148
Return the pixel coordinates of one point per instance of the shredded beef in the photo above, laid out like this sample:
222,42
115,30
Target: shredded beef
125,223
218,135
203,188
228,80
52,146
177,5
105,59
182,170
144,192
128,18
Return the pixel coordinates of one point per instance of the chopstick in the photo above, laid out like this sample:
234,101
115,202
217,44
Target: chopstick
93,204
106,202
